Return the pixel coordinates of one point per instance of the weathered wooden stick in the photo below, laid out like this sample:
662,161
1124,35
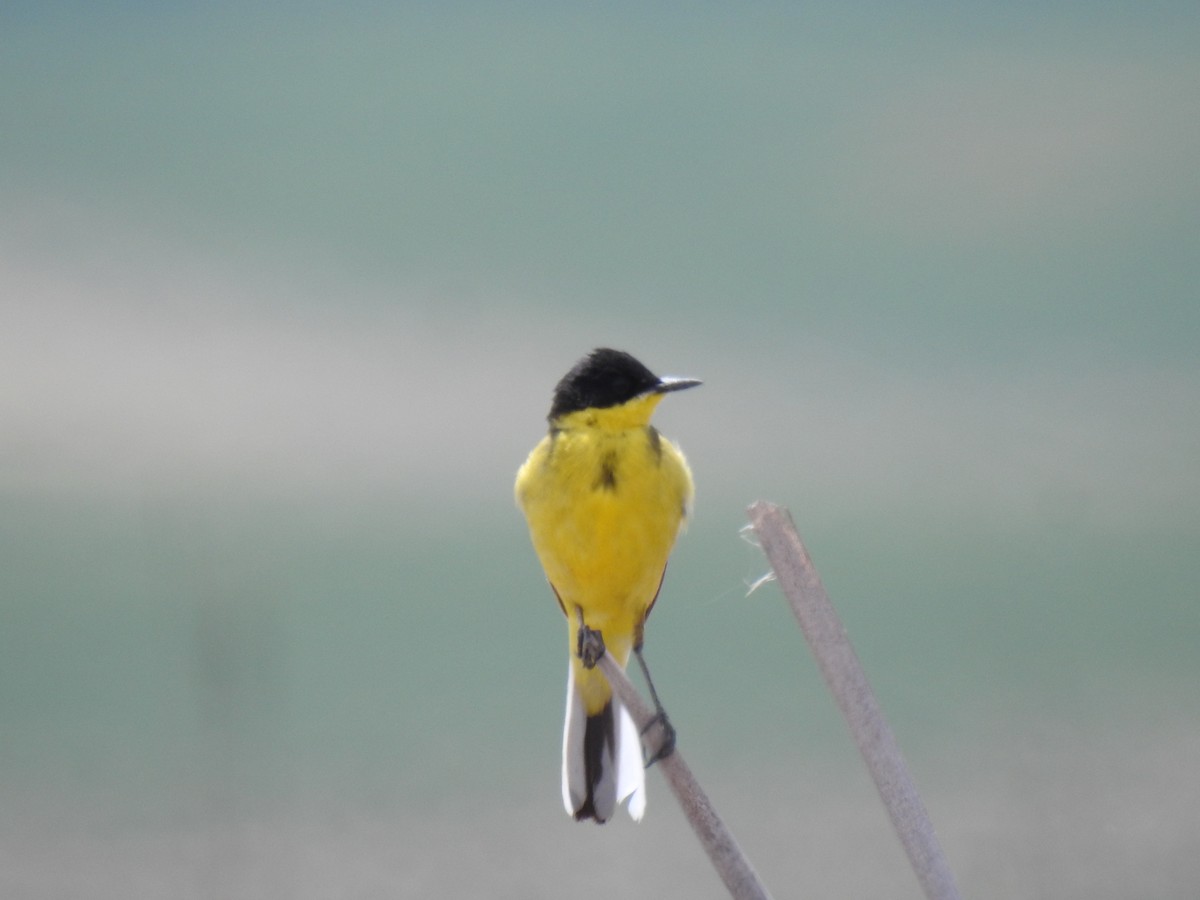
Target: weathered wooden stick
847,682
727,857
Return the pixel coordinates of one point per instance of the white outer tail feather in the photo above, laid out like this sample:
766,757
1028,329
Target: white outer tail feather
630,781
631,767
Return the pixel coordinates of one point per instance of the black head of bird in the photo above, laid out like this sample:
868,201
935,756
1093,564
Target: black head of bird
606,378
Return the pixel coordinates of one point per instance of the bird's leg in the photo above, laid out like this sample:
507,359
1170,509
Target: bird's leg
666,745
590,643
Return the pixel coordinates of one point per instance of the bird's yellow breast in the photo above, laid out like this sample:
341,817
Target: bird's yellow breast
605,496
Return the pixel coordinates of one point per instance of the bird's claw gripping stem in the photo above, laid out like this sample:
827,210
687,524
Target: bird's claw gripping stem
589,644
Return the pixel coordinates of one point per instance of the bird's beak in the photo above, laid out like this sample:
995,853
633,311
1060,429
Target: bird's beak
668,384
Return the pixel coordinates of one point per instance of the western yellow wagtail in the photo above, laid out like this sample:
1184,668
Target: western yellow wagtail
605,496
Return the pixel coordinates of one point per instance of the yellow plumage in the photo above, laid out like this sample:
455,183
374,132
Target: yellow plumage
605,496
604,548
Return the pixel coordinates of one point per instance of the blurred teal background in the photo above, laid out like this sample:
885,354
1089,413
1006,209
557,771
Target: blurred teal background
284,289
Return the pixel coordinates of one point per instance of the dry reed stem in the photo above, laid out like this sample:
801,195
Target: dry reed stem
847,682
728,859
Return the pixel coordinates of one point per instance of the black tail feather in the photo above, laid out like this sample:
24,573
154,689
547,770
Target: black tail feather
599,734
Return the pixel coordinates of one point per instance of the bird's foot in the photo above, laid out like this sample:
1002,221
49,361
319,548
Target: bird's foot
666,739
589,645
666,731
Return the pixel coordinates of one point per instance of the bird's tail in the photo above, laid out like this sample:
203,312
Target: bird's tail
602,759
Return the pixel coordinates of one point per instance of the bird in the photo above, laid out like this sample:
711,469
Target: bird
605,496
